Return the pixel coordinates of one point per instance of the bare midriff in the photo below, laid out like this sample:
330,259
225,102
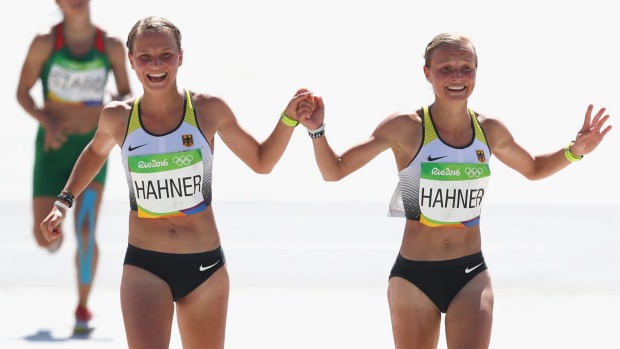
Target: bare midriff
187,234
74,118
423,243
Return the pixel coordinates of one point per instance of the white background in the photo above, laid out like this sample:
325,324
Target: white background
541,64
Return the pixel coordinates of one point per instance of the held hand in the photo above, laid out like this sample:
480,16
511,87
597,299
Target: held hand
303,96
50,227
592,132
313,118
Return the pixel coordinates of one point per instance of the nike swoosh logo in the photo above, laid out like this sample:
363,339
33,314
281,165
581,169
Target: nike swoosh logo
209,267
431,158
134,148
468,270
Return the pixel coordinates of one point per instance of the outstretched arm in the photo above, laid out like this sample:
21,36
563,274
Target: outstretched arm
260,157
334,167
507,150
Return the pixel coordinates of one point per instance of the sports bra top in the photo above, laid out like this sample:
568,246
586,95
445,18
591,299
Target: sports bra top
444,186
170,174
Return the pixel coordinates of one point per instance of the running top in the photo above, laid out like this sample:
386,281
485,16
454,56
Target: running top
443,186
76,79
169,174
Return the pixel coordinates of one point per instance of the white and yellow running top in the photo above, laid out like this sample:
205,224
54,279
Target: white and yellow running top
168,175
443,186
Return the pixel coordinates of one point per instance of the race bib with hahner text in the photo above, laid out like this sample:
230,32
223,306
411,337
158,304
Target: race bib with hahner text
167,185
451,193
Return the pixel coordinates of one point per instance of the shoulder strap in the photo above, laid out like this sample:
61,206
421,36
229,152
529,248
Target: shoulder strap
429,129
59,38
99,40
190,113
479,133
134,117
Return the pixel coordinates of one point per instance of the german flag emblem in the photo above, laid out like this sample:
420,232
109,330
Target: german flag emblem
480,154
188,140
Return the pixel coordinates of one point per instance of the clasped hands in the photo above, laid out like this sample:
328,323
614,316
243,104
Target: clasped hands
307,108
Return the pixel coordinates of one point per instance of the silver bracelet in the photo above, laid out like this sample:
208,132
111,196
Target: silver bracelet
61,204
317,130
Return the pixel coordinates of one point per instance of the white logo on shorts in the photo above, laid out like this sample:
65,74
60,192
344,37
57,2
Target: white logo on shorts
209,267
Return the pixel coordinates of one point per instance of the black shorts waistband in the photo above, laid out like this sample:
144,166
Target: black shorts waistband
448,263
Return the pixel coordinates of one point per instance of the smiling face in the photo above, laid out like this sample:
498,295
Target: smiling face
155,58
155,53
451,69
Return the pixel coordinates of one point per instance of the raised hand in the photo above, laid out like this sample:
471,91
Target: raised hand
302,96
592,132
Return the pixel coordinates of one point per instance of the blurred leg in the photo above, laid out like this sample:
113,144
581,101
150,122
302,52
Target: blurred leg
87,254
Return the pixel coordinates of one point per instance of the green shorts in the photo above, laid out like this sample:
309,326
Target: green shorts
53,168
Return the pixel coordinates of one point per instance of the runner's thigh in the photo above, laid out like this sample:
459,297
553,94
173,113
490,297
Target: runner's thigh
148,308
470,314
202,313
415,318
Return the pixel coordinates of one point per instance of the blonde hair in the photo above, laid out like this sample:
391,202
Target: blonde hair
153,24
448,39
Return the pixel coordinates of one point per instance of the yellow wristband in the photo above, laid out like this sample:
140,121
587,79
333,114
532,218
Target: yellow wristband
569,155
288,121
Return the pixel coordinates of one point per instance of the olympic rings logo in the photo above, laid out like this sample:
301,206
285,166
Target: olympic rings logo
474,172
182,160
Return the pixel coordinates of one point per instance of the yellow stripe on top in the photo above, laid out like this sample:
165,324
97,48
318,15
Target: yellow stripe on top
429,130
477,129
134,117
430,134
190,115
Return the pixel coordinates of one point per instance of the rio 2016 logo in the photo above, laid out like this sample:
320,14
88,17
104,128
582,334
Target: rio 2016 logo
471,172
153,163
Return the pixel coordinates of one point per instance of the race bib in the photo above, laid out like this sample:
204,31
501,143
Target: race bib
451,193
67,84
167,185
